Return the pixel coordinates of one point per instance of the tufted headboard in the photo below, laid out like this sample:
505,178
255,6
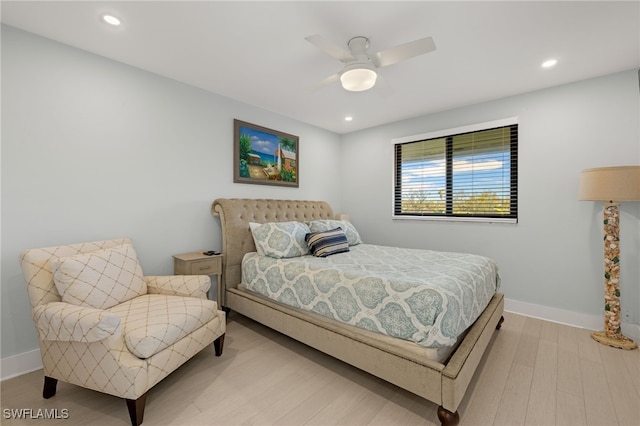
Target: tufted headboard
235,215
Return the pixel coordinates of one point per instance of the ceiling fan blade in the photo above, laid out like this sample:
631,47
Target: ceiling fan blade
330,48
404,51
327,81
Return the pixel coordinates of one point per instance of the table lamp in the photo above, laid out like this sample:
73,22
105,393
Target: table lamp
611,185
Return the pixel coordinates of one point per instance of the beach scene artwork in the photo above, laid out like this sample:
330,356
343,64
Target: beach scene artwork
264,156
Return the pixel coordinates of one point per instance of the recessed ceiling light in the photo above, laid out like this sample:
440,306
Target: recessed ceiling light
549,63
111,20
348,118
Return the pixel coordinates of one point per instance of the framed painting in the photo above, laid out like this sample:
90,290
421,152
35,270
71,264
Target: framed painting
264,156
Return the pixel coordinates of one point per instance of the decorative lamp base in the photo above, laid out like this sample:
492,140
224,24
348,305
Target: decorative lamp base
619,341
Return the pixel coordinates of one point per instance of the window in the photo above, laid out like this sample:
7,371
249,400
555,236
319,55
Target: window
469,173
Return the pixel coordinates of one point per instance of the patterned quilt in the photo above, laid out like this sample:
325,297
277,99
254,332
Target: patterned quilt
428,297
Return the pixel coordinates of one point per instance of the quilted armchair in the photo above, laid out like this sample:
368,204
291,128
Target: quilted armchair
103,325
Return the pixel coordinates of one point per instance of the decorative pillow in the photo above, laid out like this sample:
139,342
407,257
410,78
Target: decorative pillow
326,243
281,239
252,227
99,279
353,237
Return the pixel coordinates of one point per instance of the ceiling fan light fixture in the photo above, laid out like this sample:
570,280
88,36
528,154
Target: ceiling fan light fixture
358,78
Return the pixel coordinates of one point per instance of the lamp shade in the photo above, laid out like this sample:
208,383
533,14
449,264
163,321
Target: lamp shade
358,77
610,184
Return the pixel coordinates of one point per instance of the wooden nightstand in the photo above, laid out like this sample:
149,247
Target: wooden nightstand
197,263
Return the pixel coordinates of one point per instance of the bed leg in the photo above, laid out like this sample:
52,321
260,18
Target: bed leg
499,325
447,418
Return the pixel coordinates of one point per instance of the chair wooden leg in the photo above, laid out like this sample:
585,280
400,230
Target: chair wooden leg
218,345
136,409
49,388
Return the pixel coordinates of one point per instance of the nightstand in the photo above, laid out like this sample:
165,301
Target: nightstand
197,263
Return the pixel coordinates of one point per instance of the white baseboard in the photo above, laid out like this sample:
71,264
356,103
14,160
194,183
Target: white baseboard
560,316
27,362
20,364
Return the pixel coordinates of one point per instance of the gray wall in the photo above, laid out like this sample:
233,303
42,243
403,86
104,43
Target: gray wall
94,149
553,256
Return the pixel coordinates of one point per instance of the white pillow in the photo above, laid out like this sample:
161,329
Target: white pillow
99,279
252,226
353,237
280,239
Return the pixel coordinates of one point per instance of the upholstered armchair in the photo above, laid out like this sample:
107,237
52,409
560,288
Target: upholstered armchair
103,325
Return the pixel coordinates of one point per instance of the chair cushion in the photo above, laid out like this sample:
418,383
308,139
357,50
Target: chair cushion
99,279
154,322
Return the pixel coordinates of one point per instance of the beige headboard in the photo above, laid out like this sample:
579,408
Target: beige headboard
235,215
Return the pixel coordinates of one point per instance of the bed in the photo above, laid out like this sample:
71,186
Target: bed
440,379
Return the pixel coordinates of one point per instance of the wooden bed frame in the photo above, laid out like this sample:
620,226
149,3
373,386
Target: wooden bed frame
393,360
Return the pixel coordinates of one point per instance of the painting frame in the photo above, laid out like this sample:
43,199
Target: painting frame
264,156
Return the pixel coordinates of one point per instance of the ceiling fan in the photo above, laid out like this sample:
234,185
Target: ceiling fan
359,72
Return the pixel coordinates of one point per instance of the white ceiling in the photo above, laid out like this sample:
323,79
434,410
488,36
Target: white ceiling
255,52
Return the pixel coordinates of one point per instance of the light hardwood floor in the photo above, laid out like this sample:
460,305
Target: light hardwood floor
534,373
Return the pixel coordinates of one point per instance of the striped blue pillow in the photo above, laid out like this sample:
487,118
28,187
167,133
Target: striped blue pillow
326,243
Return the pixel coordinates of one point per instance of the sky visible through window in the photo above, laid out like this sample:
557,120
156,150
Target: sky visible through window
488,172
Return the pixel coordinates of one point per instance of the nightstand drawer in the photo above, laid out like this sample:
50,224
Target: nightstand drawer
197,263
211,266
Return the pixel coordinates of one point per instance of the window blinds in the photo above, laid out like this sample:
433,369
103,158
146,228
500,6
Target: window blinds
470,174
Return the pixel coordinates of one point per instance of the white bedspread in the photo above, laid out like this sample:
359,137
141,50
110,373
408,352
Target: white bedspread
428,297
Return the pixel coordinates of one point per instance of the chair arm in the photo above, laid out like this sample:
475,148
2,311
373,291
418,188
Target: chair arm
72,323
179,285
